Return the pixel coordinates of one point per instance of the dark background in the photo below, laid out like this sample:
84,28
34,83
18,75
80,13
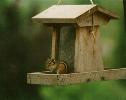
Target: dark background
25,47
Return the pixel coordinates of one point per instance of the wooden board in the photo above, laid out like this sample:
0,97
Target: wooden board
70,13
75,78
55,42
88,53
64,11
98,18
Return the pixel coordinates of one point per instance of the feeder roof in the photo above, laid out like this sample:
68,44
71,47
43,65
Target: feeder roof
71,12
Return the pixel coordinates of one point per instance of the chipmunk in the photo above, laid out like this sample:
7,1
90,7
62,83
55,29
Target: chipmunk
57,68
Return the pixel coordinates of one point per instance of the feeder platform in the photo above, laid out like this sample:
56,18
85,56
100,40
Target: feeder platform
75,78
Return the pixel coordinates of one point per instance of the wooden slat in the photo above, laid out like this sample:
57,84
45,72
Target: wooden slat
88,54
99,19
64,11
76,58
75,78
55,42
70,13
54,20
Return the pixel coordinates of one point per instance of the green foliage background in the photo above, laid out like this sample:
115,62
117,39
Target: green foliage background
23,42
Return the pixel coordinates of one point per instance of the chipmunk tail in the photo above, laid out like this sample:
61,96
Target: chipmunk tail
65,67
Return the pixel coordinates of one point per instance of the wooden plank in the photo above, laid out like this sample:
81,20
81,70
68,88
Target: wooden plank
54,20
97,51
55,42
69,13
75,78
88,55
76,58
99,19
64,11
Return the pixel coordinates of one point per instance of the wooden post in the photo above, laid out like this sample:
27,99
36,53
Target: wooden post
88,55
55,42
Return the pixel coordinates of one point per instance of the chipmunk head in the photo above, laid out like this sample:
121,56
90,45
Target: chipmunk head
51,64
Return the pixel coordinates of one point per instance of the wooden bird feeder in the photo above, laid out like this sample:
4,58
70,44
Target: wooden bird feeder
76,40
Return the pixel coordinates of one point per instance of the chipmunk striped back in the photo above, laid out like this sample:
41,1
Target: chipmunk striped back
56,68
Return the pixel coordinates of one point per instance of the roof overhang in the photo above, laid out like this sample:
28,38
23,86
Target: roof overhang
69,13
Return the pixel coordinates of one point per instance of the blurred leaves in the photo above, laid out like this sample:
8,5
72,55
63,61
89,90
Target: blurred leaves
92,91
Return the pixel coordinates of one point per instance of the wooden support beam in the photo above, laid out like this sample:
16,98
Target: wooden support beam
75,78
88,53
55,42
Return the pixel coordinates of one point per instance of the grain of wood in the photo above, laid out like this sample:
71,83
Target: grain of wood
76,78
85,60
70,13
99,19
76,61
55,42
64,11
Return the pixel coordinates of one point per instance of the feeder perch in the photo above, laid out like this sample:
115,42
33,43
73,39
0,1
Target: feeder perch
76,41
